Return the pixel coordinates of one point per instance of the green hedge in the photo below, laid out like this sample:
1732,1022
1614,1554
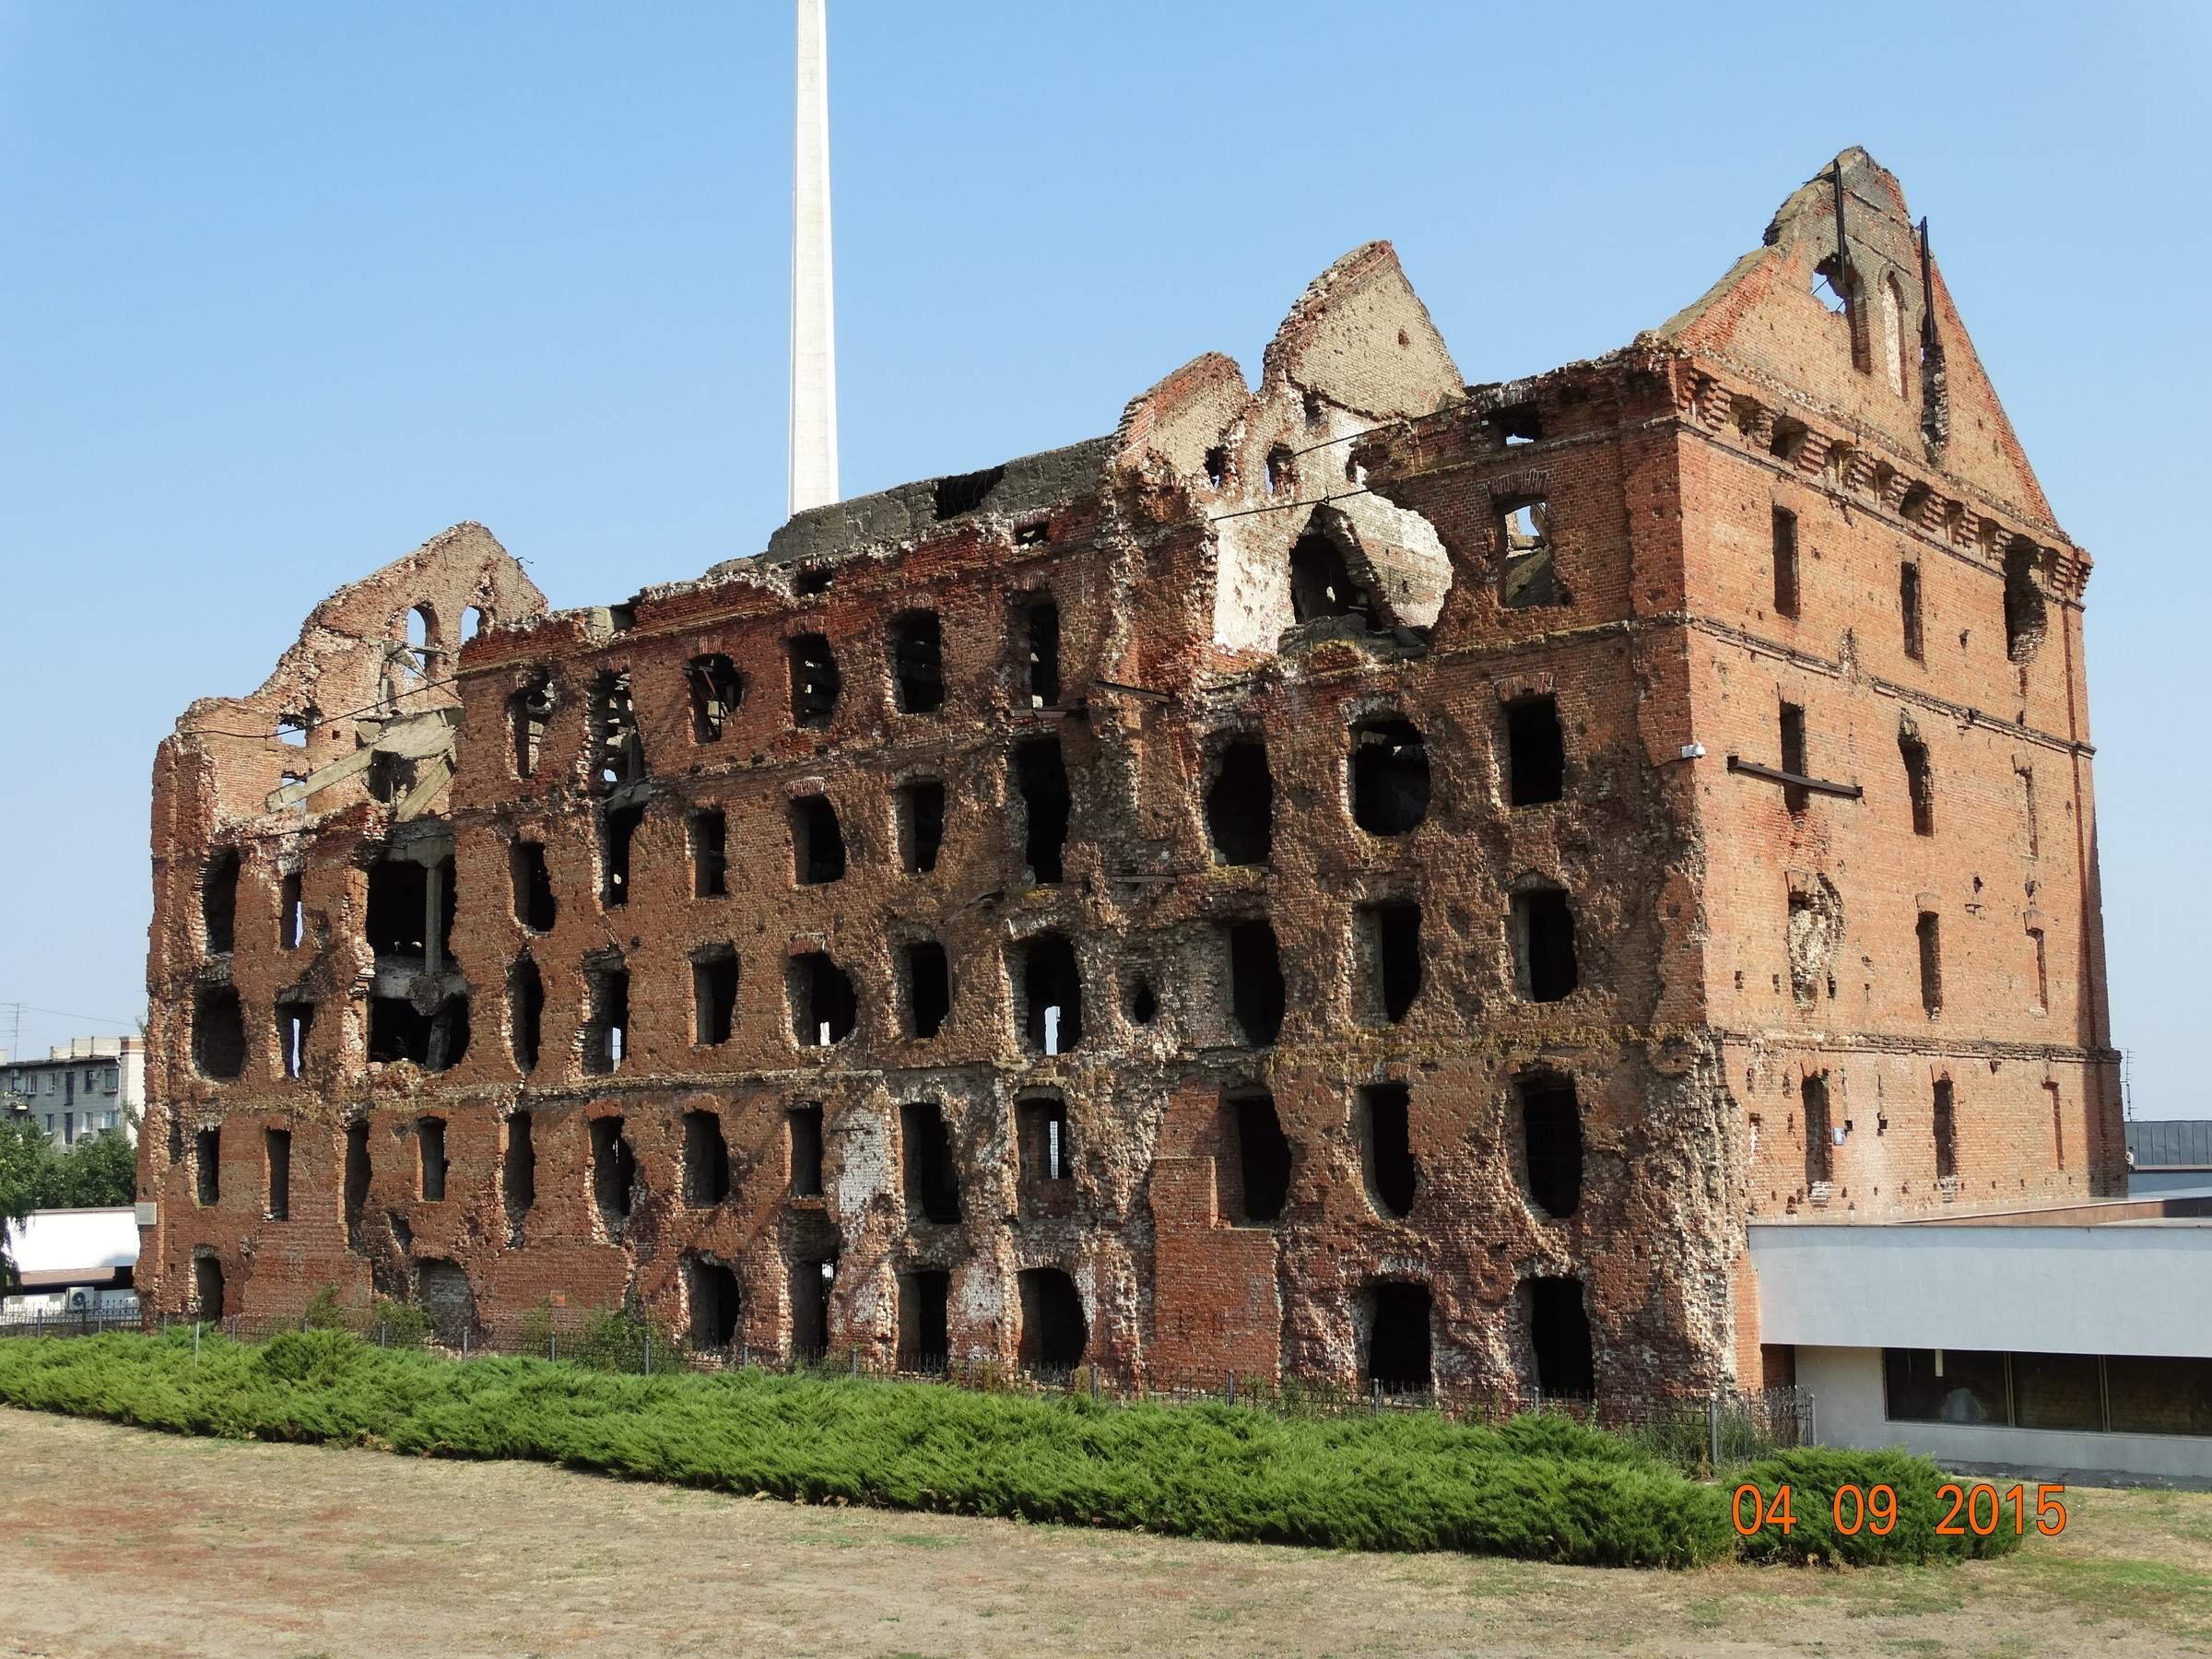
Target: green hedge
1538,1487
1814,1473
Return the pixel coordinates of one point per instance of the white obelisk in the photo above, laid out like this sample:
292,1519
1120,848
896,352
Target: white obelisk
813,321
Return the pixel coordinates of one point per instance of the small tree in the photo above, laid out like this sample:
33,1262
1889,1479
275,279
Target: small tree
29,1180
100,1173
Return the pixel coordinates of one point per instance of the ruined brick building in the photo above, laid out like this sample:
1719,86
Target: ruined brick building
1364,875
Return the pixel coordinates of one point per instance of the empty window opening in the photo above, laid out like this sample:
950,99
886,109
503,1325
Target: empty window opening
1544,961
529,711
964,492
1282,471
1819,1148
518,1171
1785,562
824,1008
1920,782
716,1303
917,662
1037,627
1321,584
278,1156
397,916
1034,534
1255,977
617,831
1390,939
1041,1138
706,1160
533,886
430,1143
817,844
1536,751
526,1012
2026,775
932,1183
292,728
920,811
803,1134
811,1277
1884,480
1527,576
357,1179
2043,970
1052,994
1790,725
207,1167
1144,1001
1517,423
218,1033
713,997
617,750
925,1294
717,692
1053,1330
218,902
1387,1160
928,989
1912,507
1217,467
1390,777
476,621
1832,285
1551,1142
1040,779
398,1031
1240,807
815,681
425,637
614,1171
1261,1159
291,912
1908,604
294,1021
814,582
708,832
607,1019
1788,440
207,1284
1559,1329
1931,962
2024,605
1397,1358
1945,1132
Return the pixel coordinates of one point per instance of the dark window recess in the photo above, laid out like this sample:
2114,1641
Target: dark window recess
706,1160
518,1171
607,1019
1786,443
534,903
928,989
430,1144
1053,1330
1908,604
529,712
815,681
614,1171
917,662
1785,561
1380,1116
617,751
1263,1158
817,844
1551,1144
1920,782
436,1041
813,582
1536,751
716,1302
1052,988
1040,1139
1392,942
1390,777
1037,630
803,1126
1946,1130
709,837
1398,1340
618,830
924,1296
921,813
1528,577
964,492
218,902
824,1008
1240,807
1956,1386
1034,534
396,919
218,1033
356,1195
291,916
713,997
526,1012
1217,467
1559,1328
1516,423
1282,471
1791,728
810,1307
207,1284
2024,606
276,1149
1544,945
717,692
932,1186
1819,1148
294,1021
1928,929
1256,977
207,1167
1321,584
1041,778
1144,1001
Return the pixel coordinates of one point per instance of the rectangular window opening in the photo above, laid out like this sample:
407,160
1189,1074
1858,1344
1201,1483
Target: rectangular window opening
1052,987
1543,956
277,1152
1257,994
291,914
614,1172
606,1028
817,843
706,1160
1785,561
917,662
1381,1120
430,1141
717,692
709,837
1908,601
1528,577
1040,1139
1819,1149
1037,641
532,886
920,814
715,996
1931,963
824,1006
928,989
1791,724
526,1012
1260,1159
617,749
932,1186
294,1020
518,1172
618,830
207,1166
1392,945
803,1133
1535,750
924,1295
1040,781
1946,1130
815,681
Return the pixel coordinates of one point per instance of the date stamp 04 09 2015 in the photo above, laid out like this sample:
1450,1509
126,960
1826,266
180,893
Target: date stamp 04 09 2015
1875,1508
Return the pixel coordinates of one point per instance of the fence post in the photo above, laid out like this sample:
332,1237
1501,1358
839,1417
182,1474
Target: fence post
1377,1397
463,1342
649,1351
553,1345
380,1334
196,1342
1712,1433
1233,1385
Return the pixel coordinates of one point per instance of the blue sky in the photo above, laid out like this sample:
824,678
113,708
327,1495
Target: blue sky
293,288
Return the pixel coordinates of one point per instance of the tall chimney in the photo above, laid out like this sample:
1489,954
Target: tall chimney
813,323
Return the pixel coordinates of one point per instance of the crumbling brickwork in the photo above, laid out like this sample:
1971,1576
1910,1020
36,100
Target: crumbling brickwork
1361,875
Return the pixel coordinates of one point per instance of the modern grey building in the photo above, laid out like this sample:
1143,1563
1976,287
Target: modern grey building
87,1086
